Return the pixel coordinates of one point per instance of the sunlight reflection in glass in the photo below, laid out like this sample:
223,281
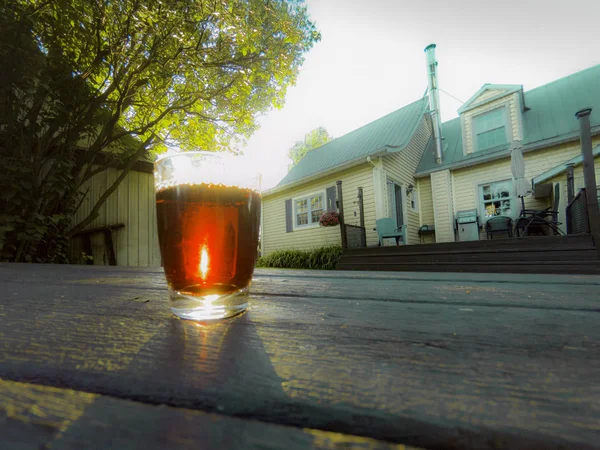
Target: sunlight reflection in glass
204,264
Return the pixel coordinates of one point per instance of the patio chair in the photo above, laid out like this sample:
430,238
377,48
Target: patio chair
541,219
386,228
498,224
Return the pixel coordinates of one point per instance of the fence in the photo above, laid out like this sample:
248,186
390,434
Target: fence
577,214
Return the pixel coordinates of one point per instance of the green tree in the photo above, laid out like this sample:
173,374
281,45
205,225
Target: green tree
112,81
312,140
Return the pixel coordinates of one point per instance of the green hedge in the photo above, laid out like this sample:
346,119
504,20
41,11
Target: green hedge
322,258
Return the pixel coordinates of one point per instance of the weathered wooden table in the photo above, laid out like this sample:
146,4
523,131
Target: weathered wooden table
90,357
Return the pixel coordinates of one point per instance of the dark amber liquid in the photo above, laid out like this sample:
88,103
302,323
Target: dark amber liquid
208,237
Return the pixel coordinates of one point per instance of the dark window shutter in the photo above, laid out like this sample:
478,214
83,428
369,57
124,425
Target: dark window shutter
289,224
330,194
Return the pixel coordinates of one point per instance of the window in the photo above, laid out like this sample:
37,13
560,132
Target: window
490,129
413,200
308,210
496,200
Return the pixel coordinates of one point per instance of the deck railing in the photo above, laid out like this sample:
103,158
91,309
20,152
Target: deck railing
355,236
577,214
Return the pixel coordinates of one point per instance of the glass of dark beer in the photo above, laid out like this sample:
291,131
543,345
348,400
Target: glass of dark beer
208,212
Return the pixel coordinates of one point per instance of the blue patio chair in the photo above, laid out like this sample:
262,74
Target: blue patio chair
386,228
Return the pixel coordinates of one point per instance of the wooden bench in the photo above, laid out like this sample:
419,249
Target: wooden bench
108,241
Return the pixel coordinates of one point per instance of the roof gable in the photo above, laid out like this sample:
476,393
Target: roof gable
548,119
487,93
390,133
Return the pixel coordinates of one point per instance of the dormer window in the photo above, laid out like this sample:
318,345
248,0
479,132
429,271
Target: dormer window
489,129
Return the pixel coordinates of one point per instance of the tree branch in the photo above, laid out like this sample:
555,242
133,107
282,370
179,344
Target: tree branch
94,212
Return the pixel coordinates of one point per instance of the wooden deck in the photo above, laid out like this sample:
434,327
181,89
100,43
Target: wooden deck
91,357
574,254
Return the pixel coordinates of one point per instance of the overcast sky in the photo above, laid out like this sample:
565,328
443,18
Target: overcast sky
370,61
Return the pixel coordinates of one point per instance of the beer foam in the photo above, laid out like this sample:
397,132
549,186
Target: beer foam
204,168
165,186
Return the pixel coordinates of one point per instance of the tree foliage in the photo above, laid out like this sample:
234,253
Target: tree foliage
312,140
88,84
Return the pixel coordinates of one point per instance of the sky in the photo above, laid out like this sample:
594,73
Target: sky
371,61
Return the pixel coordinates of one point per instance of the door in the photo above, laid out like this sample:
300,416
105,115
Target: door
395,207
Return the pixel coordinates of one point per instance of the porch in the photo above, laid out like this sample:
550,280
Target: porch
570,254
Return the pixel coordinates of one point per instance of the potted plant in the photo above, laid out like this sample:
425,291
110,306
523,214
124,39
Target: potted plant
329,219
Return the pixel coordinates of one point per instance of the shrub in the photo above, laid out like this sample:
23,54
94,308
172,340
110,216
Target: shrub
322,258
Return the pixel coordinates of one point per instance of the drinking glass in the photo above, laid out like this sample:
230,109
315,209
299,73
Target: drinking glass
208,211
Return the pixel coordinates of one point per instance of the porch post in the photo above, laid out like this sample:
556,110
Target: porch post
341,214
589,174
361,211
570,183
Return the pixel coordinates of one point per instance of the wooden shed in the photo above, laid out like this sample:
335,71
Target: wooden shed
127,218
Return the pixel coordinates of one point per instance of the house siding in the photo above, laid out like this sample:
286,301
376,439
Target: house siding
274,235
466,182
442,206
132,204
425,201
401,167
487,94
511,102
426,207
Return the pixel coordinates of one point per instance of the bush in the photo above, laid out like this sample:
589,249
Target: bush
322,258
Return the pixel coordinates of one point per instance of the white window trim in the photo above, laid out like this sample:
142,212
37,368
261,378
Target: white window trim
307,196
507,126
516,205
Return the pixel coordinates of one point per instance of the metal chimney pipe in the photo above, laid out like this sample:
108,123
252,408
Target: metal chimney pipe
589,174
434,101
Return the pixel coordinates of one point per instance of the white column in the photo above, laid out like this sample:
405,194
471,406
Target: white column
379,189
443,211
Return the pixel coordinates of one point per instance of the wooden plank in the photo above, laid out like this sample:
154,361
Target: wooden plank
114,226
134,223
150,297
112,202
399,250
574,267
75,249
86,205
87,248
571,241
581,292
154,250
122,236
79,273
43,417
433,375
99,187
538,279
458,257
144,220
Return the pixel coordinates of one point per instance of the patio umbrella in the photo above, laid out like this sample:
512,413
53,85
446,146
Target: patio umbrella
521,187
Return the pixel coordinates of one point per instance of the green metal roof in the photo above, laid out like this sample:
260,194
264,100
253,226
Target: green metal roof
550,118
389,133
